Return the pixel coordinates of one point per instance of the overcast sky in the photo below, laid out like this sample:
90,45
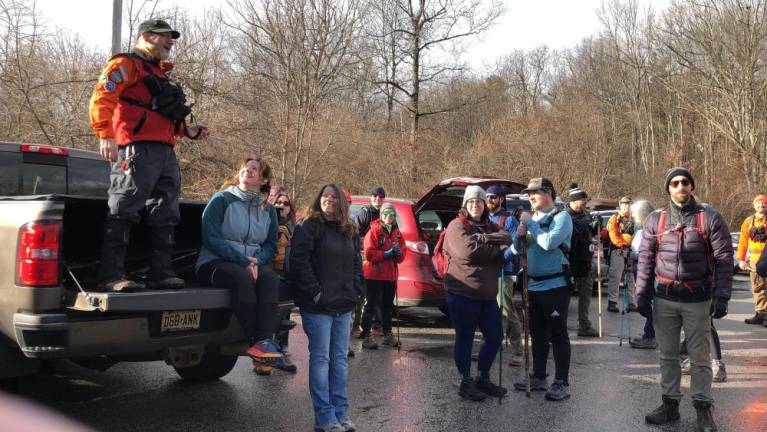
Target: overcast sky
525,25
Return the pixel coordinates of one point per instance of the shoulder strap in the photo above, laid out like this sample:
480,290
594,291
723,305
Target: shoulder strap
660,228
550,218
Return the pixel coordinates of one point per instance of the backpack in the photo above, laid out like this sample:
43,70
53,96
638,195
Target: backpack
441,259
283,242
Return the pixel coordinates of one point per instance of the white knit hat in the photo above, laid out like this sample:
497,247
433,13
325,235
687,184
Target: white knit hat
474,192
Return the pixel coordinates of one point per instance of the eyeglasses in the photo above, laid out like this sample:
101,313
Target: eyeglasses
389,213
676,183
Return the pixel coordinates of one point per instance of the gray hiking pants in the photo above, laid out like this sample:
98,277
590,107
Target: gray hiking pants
584,285
617,264
669,317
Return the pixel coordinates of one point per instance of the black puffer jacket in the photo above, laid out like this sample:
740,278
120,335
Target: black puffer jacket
685,264
324,260
580,243
365,217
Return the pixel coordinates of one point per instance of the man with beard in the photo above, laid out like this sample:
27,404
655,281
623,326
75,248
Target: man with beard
137,113
687,248
753,234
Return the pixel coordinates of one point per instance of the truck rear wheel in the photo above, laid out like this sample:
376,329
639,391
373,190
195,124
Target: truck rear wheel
212,367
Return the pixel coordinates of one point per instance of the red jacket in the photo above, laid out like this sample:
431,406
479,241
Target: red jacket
377,241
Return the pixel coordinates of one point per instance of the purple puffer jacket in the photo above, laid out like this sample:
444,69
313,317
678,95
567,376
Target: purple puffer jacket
682,260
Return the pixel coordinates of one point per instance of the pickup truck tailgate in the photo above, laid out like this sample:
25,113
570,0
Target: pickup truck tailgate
160,300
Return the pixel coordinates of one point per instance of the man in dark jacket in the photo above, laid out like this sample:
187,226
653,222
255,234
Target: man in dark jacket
364,217
580,256
687,247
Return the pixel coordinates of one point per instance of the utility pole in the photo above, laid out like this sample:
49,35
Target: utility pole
117,14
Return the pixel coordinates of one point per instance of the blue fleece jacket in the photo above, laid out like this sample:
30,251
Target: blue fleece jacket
236,227
544,256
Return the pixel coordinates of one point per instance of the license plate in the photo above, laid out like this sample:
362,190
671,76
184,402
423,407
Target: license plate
180,320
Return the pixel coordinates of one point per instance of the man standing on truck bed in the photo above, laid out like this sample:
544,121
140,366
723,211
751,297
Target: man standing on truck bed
137,113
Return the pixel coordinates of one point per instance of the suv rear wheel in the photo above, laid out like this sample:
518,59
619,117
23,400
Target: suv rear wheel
212,367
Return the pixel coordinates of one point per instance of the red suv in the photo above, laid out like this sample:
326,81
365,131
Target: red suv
420,223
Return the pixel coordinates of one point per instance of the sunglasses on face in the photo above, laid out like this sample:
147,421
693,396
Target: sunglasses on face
282,203
389,213
676,183
493,197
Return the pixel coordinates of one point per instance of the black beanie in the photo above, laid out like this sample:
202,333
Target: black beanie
576,193
678,171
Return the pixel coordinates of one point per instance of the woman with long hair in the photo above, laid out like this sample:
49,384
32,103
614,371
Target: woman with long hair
325,264
239,242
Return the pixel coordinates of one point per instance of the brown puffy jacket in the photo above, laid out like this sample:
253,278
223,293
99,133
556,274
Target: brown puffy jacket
688,265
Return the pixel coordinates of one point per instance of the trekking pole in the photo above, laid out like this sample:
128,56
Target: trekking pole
396,312
599,285
526,322
503,333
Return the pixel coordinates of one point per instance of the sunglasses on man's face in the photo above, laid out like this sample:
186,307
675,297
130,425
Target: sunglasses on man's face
683,182
493,197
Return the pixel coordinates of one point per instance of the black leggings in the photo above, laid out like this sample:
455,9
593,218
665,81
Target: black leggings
254,304
380,295
548,325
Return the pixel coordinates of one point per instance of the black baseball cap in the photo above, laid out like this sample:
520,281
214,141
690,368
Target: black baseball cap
378,190
157,26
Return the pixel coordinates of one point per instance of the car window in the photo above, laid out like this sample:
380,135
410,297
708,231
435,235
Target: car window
88,177
10,164
44,179
429,221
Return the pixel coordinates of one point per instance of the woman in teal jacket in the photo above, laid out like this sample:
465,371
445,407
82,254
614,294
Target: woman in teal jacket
239,242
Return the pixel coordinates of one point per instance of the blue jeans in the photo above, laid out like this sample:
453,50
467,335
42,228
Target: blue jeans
328,346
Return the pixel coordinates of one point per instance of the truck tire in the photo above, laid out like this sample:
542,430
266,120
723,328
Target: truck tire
212,367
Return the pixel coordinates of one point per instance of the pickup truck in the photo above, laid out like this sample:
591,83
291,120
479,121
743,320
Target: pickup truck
52,206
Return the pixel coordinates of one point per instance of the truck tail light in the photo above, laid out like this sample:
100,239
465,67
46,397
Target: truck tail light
37,255
418,247
34,148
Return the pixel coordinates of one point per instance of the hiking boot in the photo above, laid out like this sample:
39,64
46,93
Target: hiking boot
536,384
266,353
390,340
559,390
369,343
170,283
720,373
122,286
330,427
758,319
686,366
612,306
287,364
487,387
667,412
705,421
588,332
632,307
469,391
516,360
347,424
643,343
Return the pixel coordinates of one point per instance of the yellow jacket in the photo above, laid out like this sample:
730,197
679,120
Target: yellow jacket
614,229
747,246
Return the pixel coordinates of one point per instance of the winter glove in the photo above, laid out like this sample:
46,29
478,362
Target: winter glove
397,251
389,254
644,306
719,307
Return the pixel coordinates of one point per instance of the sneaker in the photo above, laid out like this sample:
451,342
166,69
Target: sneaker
469,391
369,343
588,332
265,352
262,369
612,306
330,427
390,340
686,366
347,424
559,390
536,384
643,343
666,413
720,373
758,318
487,387
516,360
123,286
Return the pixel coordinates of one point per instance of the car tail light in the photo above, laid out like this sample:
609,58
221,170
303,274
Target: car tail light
33,148
37,255
418,247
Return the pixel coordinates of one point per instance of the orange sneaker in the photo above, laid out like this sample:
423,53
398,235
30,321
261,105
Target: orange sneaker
265,352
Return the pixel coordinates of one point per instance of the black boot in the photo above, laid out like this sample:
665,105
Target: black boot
469,391
667,412
483,384
705,421
758,318
112,276
161,274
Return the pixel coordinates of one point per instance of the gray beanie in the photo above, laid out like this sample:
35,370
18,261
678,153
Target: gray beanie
474,192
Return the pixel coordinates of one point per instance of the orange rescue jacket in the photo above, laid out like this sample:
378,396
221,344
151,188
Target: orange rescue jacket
615,229
746,246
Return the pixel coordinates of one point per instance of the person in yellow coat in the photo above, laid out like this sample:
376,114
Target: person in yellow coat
620,226
753,233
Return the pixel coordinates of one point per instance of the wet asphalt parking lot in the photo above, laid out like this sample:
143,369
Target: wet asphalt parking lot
416,389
